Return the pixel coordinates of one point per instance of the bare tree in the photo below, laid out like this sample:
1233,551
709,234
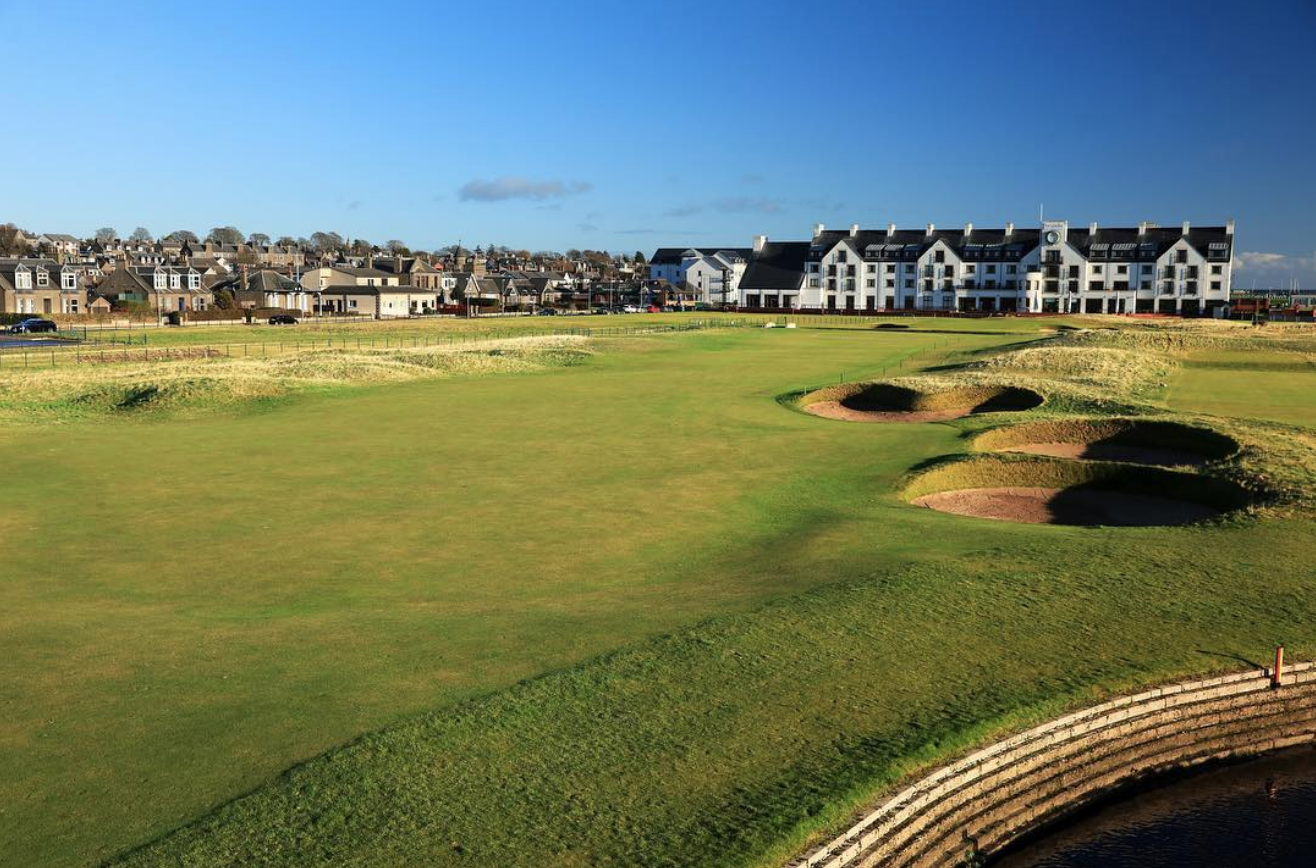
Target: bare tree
258,239
324,241
186,235
106,234
225,235
141,235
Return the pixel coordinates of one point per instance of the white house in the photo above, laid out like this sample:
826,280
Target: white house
1051,269
711,273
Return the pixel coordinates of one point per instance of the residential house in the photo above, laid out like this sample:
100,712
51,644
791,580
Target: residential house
266,288
165,289
367,291
41,286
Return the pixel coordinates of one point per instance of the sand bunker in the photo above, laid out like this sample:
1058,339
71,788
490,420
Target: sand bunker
837,410
1088,507
1133,441
886,402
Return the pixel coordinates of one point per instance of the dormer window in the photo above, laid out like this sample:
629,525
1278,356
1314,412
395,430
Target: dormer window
23,279
43,279
68,280
159,280
193,281
175,281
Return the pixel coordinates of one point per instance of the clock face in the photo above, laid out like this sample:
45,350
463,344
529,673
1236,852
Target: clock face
1052,236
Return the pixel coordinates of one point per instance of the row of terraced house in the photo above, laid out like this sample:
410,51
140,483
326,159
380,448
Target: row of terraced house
1053,268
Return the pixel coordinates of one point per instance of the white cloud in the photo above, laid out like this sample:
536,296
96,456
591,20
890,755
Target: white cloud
509,187
1273,269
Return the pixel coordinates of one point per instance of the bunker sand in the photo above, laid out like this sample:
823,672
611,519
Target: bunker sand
1085,507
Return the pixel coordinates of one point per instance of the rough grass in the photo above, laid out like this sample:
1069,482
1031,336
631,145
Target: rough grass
226,384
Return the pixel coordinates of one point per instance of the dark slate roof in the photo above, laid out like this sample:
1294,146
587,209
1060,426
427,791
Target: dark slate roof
779,265
911,243
1121,242
673,255
270,281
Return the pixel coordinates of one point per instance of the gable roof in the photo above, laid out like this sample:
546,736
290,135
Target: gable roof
675,255
779,265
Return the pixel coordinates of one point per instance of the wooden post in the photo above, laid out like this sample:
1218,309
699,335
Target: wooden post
1277,673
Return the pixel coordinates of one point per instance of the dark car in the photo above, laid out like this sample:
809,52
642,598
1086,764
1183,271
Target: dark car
547,311
283,319
32,326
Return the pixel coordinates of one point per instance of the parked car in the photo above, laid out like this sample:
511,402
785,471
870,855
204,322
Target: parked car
631,308
283,319
653,308
547,311
32,326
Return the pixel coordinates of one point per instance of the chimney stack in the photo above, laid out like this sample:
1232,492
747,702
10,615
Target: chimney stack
1143,226
1229,227
931,228
968,229
854,229
1185,228
890,230
1009,229
759,242
1092,228
818,229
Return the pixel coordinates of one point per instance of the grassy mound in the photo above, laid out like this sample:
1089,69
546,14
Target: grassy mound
219,383
1116,439
1066,478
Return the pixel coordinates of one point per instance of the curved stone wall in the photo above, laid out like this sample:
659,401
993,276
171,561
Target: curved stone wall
989,799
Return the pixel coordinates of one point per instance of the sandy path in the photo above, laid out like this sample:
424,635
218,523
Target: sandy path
1080,506
835,410
1152,455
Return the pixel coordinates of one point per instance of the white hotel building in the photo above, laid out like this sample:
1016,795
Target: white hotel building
1183,270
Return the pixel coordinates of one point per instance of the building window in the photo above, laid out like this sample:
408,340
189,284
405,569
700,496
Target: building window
890,268
1121,269
68,280
871,283
175,281
890,283
950,271
1216,269
1096,269
1146,270
43,279
939,256
1215,284
194,281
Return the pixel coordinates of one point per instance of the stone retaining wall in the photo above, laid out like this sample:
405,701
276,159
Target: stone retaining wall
986,801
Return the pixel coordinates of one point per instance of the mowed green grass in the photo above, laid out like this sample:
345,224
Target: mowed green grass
189,606
417,548
1274,386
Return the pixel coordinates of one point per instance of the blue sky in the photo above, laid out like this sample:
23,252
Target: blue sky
627,125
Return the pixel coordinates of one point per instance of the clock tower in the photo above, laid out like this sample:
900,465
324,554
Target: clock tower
1054,233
